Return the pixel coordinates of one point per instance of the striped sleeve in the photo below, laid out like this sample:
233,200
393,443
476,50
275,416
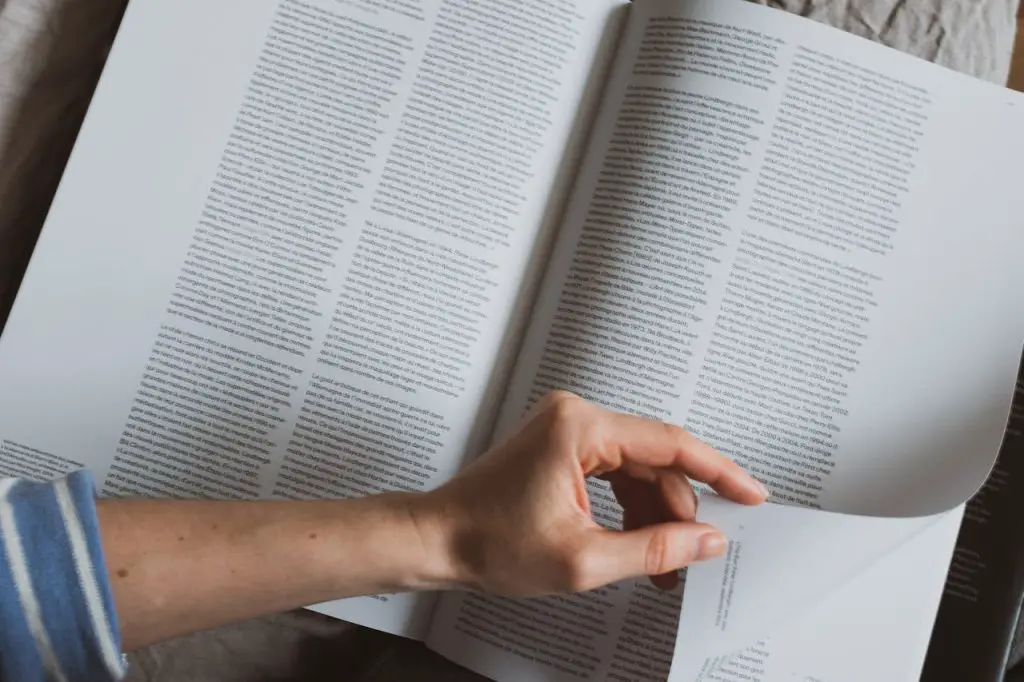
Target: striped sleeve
57,619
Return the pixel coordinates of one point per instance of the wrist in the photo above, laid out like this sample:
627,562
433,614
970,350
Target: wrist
383,544
435,528
410,537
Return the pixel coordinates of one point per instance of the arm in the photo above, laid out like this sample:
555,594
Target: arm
516,522
181,566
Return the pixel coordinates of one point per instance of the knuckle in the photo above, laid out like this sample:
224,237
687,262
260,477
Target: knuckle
659,554
564,406
675,432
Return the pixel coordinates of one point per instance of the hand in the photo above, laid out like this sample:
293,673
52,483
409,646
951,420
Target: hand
517,521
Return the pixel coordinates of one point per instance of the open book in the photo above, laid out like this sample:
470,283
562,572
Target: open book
311,248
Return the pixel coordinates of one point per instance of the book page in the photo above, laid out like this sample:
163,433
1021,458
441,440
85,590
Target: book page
289,246
799,245
783,563
842,638
782,272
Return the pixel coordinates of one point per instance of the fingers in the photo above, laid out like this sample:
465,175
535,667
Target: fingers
635,443
644,504
665,581
632,440
677,496
658,550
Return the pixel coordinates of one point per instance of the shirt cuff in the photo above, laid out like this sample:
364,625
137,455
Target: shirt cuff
57,617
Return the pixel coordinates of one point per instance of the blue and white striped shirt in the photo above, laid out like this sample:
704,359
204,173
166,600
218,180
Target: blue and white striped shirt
57,618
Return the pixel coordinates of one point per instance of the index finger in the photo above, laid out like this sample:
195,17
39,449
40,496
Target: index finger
635,440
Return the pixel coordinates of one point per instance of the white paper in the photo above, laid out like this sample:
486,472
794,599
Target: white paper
781,563
875,627
842,639
188,107
926,401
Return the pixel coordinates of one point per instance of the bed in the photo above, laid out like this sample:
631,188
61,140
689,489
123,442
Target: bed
51,54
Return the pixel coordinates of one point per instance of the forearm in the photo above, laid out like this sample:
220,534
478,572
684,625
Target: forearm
178,567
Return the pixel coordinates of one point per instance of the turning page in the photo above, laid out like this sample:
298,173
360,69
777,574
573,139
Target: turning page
289,245
802,246
797,587
875,626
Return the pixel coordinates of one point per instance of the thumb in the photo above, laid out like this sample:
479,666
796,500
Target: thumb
610,556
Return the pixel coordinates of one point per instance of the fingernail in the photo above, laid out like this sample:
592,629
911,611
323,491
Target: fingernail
710,545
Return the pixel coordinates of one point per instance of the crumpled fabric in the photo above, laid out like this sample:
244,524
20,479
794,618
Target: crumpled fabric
51,54
971,36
